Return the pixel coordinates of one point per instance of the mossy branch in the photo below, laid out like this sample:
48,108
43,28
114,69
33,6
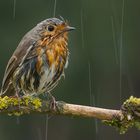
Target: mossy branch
126,117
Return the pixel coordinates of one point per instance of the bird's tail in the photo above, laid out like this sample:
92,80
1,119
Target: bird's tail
8,91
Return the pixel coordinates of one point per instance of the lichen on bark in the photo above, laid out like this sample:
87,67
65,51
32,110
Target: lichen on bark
22,105
131,116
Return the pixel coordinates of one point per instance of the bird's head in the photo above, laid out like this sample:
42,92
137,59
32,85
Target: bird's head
53,28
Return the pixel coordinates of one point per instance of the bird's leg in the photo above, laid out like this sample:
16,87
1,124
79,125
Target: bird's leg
18,97
48,97
52,101
17,94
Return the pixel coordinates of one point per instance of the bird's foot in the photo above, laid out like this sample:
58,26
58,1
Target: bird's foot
48,97
52,103
17,95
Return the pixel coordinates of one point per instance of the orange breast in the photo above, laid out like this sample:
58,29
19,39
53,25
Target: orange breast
57,55
57,51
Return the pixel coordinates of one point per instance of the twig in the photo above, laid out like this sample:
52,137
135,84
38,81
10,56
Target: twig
89,112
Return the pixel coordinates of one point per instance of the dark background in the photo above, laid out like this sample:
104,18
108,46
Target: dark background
104,66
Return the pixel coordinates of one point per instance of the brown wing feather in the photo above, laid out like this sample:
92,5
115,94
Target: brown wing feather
14,62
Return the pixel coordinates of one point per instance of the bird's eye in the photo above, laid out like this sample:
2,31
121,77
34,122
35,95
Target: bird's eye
50,28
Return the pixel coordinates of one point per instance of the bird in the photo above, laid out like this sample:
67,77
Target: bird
39,61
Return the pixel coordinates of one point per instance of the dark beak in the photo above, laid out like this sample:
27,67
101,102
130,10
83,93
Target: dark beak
68,28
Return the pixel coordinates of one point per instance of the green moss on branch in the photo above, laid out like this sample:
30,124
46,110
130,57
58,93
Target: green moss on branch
19,106
130,118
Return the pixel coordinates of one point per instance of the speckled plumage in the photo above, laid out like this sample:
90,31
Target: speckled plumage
39,60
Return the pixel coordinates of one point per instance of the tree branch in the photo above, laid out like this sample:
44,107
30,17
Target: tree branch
89,112
126,117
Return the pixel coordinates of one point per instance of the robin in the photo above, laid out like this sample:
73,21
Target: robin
39,60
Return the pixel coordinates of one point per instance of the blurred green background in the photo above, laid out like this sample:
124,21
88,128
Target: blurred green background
104,66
